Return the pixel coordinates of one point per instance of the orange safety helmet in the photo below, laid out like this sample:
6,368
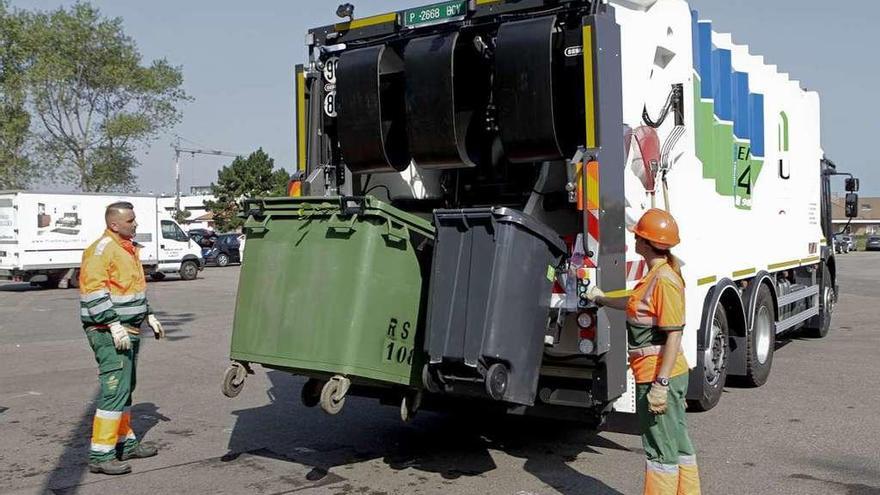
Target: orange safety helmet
658,227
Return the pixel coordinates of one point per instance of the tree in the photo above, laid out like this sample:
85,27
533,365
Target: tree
16,169
249,177
94,99
180,216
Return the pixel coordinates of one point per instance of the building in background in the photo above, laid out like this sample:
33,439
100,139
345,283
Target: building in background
199,216
200,190
868,221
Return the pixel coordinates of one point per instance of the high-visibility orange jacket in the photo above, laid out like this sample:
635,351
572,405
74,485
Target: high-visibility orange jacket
655,307
112,285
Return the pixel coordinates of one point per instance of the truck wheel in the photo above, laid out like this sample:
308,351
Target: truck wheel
222,260
818,326
496,381
761,340
157,276
715,357
233,380
189,270
311,392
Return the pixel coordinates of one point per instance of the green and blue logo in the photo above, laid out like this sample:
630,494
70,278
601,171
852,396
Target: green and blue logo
729,119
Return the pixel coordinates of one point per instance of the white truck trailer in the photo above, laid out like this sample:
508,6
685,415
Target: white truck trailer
43,236
582,115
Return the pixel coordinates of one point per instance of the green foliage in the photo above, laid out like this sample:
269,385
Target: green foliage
254,176
16,169
180,216
90,96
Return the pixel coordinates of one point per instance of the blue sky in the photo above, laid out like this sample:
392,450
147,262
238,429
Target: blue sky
238,59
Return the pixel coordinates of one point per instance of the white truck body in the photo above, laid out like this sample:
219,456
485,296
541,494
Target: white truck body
43,235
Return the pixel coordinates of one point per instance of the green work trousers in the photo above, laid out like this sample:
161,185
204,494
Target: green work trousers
671,459
111,430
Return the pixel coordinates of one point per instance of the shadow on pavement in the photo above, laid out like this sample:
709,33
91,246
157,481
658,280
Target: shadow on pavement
22,287
451,445
173,323
72,464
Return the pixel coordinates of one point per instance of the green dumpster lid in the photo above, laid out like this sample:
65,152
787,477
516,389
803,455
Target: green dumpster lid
361,205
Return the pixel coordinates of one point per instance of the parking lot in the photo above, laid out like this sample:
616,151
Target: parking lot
814,428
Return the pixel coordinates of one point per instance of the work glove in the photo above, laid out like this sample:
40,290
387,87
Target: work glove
121,340
158,331
594,292
657,398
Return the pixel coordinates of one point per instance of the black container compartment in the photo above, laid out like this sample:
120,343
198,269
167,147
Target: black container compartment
489,301
371,110
447,90
539,89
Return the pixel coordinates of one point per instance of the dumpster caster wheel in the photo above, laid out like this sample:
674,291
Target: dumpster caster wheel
409,406
311,392
233,380
333,394
429,380
496,381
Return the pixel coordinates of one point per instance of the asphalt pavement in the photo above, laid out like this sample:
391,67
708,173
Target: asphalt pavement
814,428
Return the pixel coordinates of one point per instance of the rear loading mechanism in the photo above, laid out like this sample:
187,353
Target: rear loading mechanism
477,96
477,117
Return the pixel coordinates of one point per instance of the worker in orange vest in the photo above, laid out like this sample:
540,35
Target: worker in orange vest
655,321
113,305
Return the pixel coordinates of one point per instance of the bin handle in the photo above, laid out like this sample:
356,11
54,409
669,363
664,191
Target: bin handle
353,205
394,231
335,223
259,226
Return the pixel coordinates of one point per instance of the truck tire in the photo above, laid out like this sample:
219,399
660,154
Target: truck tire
761,341
189,270
818,326
157,276
714,373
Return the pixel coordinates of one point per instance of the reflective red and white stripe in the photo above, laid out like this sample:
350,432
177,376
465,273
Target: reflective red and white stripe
636,270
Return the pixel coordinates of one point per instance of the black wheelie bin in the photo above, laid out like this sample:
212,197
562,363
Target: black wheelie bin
490,286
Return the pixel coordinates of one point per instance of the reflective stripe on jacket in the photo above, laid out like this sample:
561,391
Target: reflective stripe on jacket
112,284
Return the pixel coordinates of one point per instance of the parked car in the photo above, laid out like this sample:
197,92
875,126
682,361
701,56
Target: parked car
203,237
873,243
837,243
848,243
223,251
843,243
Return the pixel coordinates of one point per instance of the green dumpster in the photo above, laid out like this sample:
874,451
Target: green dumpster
333,289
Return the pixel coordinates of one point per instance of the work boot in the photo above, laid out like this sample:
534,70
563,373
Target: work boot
140,452
110,467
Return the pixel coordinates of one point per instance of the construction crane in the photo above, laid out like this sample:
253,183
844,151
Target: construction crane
192,151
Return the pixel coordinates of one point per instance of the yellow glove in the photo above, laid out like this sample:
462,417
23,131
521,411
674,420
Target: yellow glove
121,340
593,292
158,331
657,398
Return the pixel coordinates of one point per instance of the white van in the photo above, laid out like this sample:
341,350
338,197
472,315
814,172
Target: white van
43,236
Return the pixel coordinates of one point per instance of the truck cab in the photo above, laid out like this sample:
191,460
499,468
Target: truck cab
177,253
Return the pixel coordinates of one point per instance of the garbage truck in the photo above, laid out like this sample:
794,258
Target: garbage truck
531,135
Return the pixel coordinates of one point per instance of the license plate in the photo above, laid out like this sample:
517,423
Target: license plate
435,14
